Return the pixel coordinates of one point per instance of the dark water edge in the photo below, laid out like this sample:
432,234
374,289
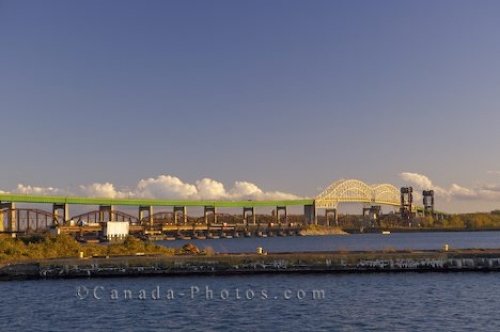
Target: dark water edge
420,230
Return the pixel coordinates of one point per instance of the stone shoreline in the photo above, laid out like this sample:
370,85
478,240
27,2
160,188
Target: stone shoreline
236,264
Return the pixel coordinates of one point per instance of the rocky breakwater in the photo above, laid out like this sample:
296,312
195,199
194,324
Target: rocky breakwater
327,262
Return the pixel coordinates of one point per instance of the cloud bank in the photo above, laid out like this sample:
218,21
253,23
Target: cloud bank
485,192
172,187
165,187
27,189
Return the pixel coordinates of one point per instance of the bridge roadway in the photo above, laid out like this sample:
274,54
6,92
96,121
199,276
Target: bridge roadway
16,198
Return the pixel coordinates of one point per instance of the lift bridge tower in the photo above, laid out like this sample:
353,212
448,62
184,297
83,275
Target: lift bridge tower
406,203
428,202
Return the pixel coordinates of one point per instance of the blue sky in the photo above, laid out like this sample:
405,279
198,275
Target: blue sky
286,95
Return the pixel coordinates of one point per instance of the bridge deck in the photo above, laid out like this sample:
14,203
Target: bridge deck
16,198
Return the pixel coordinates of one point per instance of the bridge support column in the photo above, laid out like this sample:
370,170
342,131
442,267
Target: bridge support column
103,209
407,204
8,209
207,210
328,212
278,209
149,210
246,211
428,201
11,216
182,209
309,214
375,211
65,213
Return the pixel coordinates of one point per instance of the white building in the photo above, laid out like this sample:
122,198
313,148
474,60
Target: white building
115,230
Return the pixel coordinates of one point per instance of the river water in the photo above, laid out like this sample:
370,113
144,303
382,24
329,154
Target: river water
416,241
466,301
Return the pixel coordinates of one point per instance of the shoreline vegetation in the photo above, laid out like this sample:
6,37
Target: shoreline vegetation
465,222
317,230
46,246
39,247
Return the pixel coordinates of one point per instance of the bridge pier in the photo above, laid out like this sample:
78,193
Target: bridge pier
310,214
149,210
373,212
207,210
428,201
11,216
366,211
278,209
328,212
182,209
103,209
246,211
407,203
55,212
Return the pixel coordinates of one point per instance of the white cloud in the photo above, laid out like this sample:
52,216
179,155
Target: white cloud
248,190
165,186
169,187
33,190
486,192
419,180
278,195
462,192
491,187
245,190
104,190
422,182
210,189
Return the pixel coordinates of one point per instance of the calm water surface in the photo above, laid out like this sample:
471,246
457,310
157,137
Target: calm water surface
419,241
351,302
377,302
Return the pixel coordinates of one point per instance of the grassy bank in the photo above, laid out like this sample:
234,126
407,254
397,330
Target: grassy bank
315,230
46,247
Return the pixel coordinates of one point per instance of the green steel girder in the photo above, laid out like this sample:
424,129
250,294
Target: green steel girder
16,198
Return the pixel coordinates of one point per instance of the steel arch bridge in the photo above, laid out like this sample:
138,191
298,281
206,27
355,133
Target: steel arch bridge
356,191
96,216
27,220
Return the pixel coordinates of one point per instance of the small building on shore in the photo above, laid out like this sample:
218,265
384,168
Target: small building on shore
116,230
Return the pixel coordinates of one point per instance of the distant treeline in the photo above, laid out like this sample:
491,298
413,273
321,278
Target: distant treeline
467,221
470,221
